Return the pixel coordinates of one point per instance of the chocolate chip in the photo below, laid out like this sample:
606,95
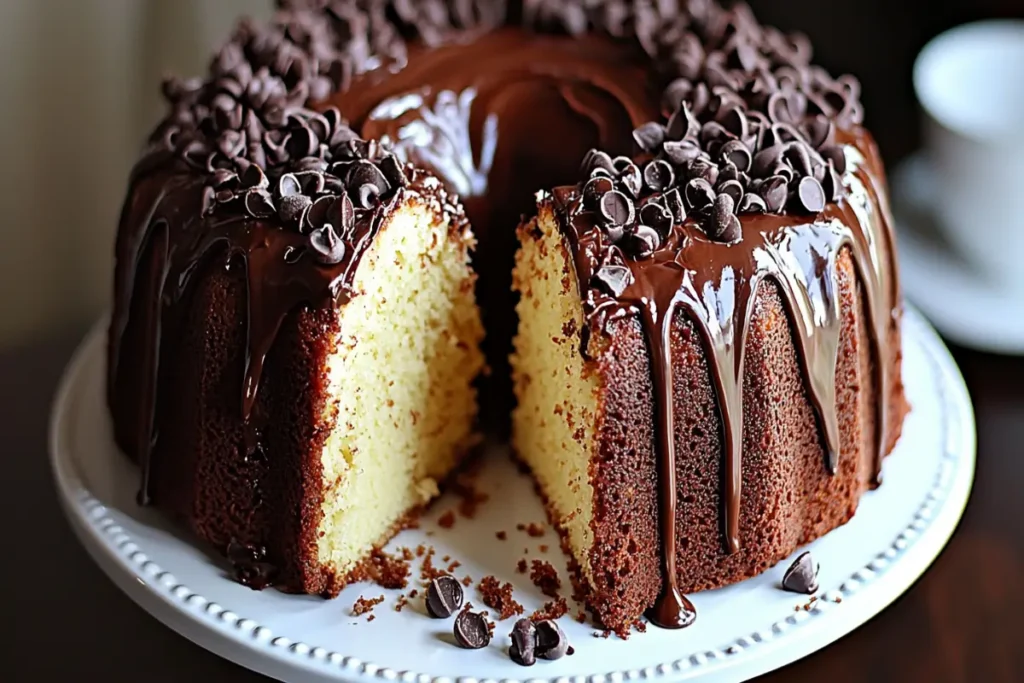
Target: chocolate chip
773,191
596,159
643,241
225,179
658,175
616,208
649,136
700,168
551,641
368,182
733,188
291,207
524,643
831,183
594,190
682,151
657,216
810,196
682,124
254,177
802,575
391,167
799,158
628,175
819,131
724,226
699,194
751,203
736,153
613,279
368,195
471,630
288,185
766,159
836,155
259,203
328,248
444,597
317,214
674,203
311,182
342,213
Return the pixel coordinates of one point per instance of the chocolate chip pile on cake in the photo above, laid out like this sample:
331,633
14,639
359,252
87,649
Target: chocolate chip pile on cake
750,129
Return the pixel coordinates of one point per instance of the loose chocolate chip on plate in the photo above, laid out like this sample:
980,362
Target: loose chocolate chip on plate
802,575
524,643
551,641
616,208
444,596
471,630
613,279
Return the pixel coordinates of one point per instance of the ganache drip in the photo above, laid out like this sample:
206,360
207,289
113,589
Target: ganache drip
714,285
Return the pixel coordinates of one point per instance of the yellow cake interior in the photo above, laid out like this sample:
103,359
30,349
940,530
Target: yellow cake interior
554,423
402,402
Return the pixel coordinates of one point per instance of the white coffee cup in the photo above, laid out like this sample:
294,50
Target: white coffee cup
970,83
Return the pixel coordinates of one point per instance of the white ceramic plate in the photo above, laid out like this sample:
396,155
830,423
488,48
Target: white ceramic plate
741,631
965,305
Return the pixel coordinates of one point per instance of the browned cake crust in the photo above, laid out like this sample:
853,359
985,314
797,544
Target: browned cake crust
789,499
200,470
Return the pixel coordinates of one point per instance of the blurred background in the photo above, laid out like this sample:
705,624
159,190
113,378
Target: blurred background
80,90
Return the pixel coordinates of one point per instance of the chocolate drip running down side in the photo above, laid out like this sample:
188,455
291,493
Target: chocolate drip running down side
715,285
165,221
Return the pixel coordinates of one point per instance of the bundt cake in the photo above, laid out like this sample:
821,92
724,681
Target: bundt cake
706,314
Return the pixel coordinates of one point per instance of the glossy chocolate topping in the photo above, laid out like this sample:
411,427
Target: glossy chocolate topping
498,117
715,284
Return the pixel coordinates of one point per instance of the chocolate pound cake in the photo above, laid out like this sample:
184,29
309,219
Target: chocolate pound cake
706,367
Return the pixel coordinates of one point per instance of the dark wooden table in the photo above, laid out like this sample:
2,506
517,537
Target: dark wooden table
64,620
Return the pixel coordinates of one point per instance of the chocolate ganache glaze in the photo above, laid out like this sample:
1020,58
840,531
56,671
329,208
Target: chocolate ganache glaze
727,159
498,116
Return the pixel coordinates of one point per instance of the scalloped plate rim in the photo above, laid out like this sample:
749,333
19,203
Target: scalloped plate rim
251,645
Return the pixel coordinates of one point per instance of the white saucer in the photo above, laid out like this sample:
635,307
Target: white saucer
741,631
965,306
